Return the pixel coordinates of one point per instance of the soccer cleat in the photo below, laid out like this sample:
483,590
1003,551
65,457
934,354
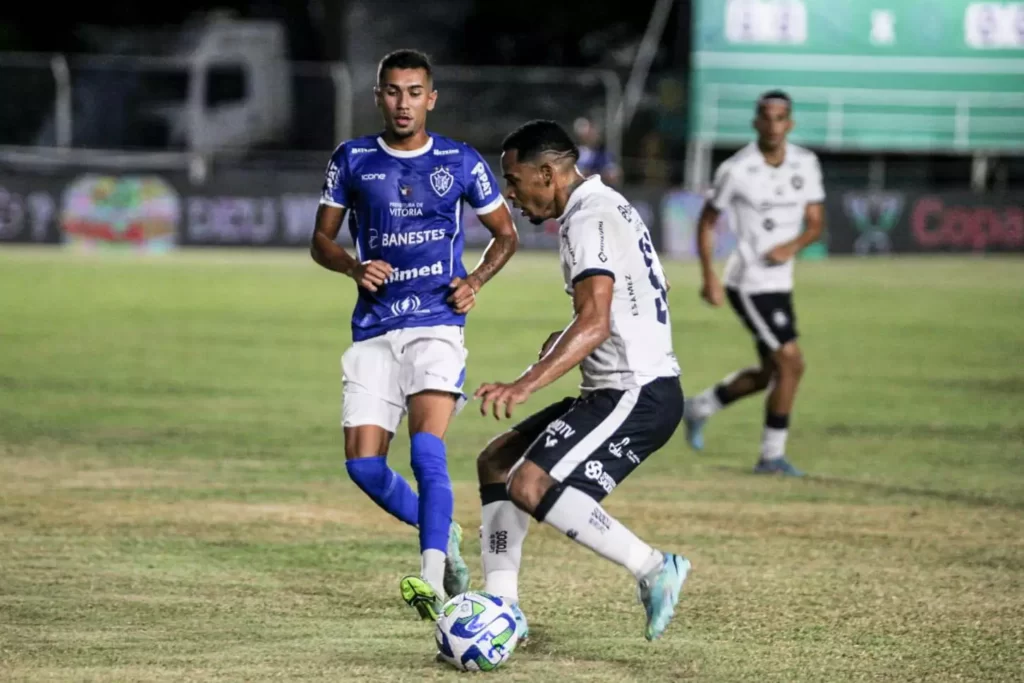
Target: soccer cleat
456,573
522,628
695,432
777,466
418,594
659,593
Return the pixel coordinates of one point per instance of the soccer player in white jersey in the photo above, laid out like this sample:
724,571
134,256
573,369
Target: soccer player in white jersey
773,193
560,463
404,190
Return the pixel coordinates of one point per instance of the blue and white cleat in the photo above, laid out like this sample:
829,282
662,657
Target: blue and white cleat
456,573
659,593
522,628
695,432
778,466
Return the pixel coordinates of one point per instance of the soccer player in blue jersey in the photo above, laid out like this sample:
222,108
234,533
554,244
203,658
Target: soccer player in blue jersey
403,192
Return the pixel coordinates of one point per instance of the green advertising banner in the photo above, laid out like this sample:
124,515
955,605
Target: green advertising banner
943,75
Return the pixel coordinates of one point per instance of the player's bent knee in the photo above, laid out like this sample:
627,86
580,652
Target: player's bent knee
527,486
499,455
790,360
366,441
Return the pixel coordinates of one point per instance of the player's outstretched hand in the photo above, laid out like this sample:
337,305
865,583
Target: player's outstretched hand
463,296
711,291
371,274
501,398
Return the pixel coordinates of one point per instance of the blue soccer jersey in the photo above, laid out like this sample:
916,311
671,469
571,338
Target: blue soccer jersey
405,208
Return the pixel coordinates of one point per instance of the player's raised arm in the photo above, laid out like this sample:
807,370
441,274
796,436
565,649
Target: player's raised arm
591,325
593,283
814,221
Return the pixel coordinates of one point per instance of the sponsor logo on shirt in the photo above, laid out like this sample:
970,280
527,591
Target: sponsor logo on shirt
405,239
406,209
406,274
483,185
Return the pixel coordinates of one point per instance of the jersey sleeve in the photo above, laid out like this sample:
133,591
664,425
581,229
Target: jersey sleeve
815,183
335,189
591,247
722,188
482,191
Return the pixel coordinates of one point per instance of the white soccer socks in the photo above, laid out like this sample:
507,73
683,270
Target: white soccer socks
773,439
502,533
582,519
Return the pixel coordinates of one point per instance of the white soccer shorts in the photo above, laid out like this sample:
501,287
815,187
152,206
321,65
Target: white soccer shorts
380,374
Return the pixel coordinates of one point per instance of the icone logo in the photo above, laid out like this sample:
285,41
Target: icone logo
373,176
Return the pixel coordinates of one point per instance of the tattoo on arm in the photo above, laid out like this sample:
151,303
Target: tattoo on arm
503,245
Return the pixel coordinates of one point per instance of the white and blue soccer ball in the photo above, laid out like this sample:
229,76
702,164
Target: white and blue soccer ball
476,632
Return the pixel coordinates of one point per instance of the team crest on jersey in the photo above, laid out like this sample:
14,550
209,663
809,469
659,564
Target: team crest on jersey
798,182
441,180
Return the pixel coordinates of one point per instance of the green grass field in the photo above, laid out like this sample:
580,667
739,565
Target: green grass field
174,505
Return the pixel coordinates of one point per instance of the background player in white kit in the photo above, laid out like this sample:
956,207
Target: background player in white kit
772,190
558,464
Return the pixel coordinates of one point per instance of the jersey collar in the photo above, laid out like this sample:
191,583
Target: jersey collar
588,186
406,154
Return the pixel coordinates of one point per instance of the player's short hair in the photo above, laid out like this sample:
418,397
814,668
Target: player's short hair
404,59
773,96
536,137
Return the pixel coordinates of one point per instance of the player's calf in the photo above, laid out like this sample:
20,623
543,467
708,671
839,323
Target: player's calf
581,518
503,525
790,364
366,447
659,576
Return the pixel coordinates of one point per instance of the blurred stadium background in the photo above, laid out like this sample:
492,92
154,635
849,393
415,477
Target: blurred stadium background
173,504
184,125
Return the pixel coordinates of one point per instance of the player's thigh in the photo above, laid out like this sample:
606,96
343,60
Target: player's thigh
789,358
768,315
431,412
569,440
507,449
370,392
606,458
432,374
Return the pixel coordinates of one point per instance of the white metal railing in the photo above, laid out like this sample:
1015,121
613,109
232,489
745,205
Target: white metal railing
561,89
845,112
864,119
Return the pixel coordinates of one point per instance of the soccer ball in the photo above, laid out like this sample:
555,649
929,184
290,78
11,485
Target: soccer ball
476,632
